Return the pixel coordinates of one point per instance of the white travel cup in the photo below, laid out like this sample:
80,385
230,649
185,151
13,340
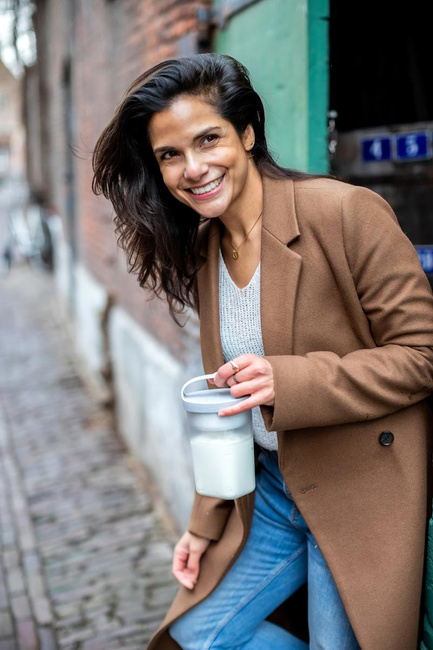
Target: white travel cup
222,447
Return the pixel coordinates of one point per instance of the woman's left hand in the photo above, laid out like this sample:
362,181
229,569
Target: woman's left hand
254,378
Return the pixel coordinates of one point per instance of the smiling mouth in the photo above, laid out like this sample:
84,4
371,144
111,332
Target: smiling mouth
206,188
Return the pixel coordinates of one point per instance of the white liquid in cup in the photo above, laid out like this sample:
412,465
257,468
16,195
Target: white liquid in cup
223,463
222,448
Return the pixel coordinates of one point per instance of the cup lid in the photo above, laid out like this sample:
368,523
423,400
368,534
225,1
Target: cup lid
208,400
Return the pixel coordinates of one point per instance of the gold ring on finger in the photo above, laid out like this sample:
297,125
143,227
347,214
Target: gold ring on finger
234,366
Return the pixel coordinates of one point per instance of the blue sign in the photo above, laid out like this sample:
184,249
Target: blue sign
426,258
376,149
412,145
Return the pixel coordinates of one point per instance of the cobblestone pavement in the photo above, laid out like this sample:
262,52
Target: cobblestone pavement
85,554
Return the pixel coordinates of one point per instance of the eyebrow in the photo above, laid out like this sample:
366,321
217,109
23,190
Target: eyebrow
205,131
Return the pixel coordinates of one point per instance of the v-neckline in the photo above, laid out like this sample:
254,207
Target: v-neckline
230,277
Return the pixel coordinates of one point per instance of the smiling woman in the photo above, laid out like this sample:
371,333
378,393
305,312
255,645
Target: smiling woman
207,164
314,308
220,115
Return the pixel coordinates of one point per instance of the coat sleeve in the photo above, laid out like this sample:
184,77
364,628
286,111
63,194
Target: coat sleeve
209,516
323,389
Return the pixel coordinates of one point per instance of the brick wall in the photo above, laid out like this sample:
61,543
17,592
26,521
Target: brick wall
11,135
89,51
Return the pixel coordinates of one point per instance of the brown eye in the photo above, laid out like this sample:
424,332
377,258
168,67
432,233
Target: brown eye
167,155
210,138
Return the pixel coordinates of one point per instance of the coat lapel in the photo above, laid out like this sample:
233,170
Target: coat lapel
279,277
280,266
208,289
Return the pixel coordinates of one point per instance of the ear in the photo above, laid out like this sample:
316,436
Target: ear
248,138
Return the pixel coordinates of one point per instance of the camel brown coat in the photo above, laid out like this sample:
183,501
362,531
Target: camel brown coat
347,322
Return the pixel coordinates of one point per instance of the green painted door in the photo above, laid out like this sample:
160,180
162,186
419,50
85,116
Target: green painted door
284,45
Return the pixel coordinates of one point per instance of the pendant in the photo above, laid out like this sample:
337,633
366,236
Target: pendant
235,254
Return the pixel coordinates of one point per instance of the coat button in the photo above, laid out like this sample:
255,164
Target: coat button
386,438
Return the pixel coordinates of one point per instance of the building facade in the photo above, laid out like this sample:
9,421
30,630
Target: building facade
12,160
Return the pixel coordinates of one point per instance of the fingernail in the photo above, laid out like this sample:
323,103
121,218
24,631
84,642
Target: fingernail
221,414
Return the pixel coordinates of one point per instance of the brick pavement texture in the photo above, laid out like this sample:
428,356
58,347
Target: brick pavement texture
84,554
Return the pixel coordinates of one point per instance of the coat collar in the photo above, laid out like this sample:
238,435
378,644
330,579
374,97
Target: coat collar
279,277
281,223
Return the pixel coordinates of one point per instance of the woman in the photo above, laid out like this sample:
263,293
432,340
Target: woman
313,303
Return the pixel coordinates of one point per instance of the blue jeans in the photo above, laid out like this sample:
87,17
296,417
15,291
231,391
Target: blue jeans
280,555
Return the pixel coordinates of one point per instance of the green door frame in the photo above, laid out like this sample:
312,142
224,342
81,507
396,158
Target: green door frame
284,45
318,84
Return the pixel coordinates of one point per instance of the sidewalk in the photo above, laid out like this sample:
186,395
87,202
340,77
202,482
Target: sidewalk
84,555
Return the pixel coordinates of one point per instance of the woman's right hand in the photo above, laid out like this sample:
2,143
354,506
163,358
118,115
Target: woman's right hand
186,558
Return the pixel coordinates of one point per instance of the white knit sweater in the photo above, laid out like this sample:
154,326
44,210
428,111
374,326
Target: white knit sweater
241,333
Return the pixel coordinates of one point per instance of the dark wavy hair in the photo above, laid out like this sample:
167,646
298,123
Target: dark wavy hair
157,232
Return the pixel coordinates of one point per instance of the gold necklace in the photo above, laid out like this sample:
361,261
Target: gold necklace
235,251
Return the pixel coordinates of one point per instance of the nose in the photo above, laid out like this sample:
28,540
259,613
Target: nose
195,167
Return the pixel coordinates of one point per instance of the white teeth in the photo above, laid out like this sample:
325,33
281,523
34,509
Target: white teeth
206,188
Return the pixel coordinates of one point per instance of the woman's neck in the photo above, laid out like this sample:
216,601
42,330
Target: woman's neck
242,215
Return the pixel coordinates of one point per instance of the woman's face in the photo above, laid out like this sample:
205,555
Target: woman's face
203,161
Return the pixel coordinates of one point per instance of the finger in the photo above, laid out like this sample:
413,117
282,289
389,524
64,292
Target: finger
232,381
222,375
184,579
252,386
226,370
180,559
226,377
246,404
257,368
193,565
180,570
